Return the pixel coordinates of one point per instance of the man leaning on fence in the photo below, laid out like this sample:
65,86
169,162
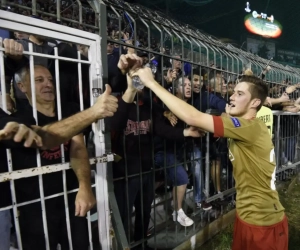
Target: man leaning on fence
13,131
260,222
74,150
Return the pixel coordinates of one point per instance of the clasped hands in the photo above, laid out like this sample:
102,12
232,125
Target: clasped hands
132,65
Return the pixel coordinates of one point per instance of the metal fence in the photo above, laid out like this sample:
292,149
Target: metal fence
11,21
139,203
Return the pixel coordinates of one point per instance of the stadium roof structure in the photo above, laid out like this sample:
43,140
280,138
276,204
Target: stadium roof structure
225,19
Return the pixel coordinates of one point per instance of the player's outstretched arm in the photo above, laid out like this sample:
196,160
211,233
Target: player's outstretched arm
181,109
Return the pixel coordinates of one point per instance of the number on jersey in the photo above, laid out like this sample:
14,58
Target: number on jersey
273,178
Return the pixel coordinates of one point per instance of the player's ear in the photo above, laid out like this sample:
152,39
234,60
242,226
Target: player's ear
255,103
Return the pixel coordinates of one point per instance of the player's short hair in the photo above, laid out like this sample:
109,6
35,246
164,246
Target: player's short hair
257,88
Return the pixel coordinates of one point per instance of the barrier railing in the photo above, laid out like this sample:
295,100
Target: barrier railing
203,162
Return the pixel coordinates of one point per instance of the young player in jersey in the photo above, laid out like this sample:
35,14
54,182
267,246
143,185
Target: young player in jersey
260,222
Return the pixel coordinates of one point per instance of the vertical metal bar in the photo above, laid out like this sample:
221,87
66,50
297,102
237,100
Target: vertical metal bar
59,115
237,62
58,5
3,4
274,79
216,49
207,52
214,54
14,201
175,153
116,218
226,55
134,26
80,81
278,146
152,148
38,158
141,174
164,164
91,247
200,56
2,79
120,24
207,167
8,153
33,7
80,11
101,168
207,158
207,155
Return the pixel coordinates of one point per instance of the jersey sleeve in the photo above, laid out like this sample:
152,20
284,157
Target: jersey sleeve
236,128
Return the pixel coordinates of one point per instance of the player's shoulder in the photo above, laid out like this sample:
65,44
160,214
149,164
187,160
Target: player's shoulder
240,122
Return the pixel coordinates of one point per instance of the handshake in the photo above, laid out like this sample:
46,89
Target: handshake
132,65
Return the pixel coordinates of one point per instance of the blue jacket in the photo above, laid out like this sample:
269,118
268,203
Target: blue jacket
206,100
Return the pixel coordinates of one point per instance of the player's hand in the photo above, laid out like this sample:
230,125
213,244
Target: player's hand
13,49
129,62
85,201
145,74
193,132
19,132
106,104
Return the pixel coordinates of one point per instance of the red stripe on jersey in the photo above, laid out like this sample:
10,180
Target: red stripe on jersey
218,126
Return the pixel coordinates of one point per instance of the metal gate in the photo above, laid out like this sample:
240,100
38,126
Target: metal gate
15,22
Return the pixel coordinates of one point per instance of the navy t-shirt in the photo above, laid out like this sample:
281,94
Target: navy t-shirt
28,188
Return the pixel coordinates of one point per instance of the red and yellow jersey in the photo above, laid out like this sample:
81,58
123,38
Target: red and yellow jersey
251,152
